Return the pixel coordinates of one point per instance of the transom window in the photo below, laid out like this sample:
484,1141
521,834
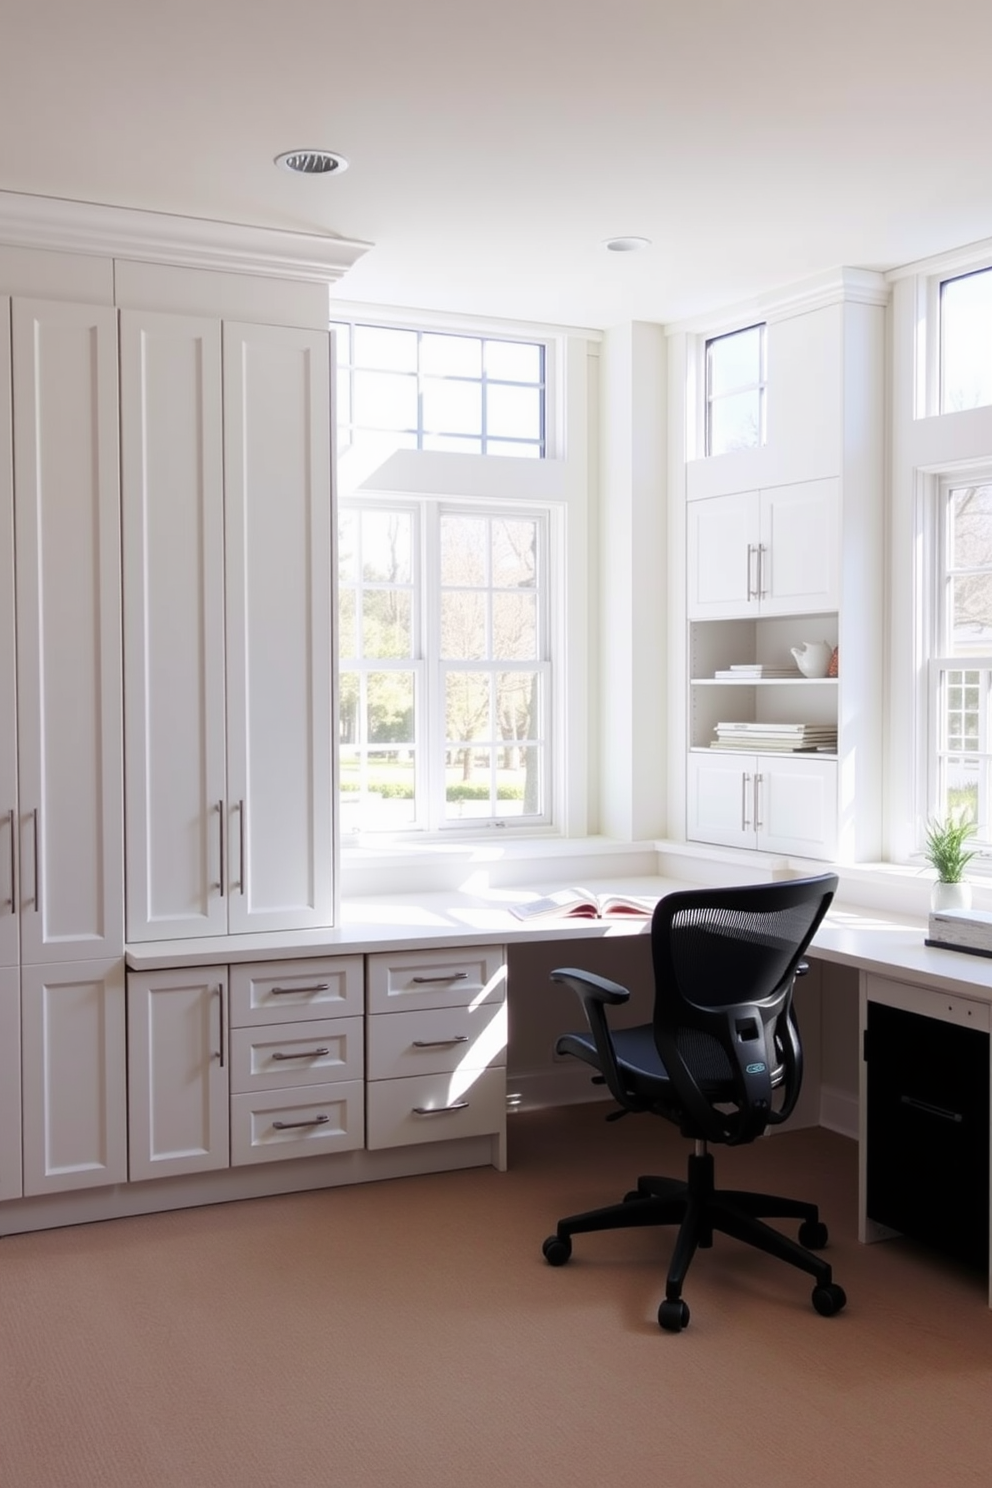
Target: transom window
445,673
402,388
961,662
735,391
966,341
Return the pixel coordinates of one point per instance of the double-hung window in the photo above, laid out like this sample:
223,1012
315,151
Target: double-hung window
960,664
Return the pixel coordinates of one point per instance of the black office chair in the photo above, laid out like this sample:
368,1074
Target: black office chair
722,1060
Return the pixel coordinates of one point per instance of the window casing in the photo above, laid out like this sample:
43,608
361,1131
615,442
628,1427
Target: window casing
965,341
735,391
445,666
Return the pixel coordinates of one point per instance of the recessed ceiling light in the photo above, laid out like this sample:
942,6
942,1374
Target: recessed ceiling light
627,245
312,162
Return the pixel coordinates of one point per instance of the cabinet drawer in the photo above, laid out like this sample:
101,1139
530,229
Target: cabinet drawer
273,1124
433,979
436,1040
288,991
290,1054
436,1108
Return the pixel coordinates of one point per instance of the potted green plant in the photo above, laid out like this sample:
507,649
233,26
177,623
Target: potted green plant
946,851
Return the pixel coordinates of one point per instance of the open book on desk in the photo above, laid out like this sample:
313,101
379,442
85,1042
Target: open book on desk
583,904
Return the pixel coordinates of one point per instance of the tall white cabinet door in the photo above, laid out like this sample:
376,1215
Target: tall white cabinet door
10,1083
277,450
74,1077
722,546
9,940
173,536
720,798
178,1106
67,533
800,548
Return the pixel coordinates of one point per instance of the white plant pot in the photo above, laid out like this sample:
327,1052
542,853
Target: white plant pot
950,895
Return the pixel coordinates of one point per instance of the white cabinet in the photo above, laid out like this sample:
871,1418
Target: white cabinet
297,1059
73,1076
10,1083
786,805
437,1047
226,452
769,552
68,856
177,1072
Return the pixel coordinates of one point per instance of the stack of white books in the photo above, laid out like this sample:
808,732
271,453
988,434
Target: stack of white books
961,930
754,671
787,738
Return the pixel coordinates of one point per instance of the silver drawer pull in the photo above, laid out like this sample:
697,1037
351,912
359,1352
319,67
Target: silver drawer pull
306,1054
451,976
439,1110
290,1125
459,1038
288,991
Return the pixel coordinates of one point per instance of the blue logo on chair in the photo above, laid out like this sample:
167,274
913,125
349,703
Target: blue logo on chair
756,1069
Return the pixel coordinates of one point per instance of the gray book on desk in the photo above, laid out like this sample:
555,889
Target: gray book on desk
961,930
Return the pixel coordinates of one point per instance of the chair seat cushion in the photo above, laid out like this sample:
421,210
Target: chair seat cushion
641,1067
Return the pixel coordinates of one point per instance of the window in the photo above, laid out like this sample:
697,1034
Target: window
430,390
966,341
961,658
445,674
735,391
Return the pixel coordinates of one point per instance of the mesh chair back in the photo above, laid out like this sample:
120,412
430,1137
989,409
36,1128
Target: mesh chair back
724,964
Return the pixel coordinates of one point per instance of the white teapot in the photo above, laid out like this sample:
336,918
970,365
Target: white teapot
813,657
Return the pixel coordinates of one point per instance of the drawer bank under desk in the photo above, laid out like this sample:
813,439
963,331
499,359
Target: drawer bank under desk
277,1076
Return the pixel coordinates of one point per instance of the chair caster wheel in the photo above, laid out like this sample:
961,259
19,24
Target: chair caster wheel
813,1234
556,1251
829,1299
634,1193
673,1316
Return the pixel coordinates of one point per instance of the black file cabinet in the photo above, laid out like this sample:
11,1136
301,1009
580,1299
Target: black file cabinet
928,1130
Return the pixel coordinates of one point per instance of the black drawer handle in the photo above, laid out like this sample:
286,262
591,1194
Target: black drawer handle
929,1110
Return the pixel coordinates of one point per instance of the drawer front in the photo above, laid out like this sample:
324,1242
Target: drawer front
436,1040
945,1007
289,1054
274,1124
290,991
435,1108
433,979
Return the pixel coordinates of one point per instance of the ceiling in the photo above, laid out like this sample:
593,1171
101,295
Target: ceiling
493,148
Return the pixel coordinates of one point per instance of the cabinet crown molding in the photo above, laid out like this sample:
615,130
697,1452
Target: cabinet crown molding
65,226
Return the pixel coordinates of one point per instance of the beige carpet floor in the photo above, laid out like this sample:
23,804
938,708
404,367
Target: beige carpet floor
409,1333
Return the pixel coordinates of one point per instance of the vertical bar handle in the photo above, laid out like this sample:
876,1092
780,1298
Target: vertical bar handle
745,782
751,590
757,802
13,861
37,854
220,1021
244,832
761,591
223,875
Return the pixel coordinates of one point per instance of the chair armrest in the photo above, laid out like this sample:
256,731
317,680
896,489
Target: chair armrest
588,984
596,993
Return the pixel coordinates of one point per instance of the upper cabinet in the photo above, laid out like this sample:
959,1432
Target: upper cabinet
61,851
770,552
226,466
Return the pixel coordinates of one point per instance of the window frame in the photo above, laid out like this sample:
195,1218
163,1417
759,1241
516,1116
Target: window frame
760,387
431,821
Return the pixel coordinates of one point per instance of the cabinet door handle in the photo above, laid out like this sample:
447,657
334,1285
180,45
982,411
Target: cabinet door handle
459,1038
306,1054
37,854
930,1110
244,832
288,991
757,802
761,591
745,782
451,976
220,1022
292,1125
752,591
220,822
13,861
439,1110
